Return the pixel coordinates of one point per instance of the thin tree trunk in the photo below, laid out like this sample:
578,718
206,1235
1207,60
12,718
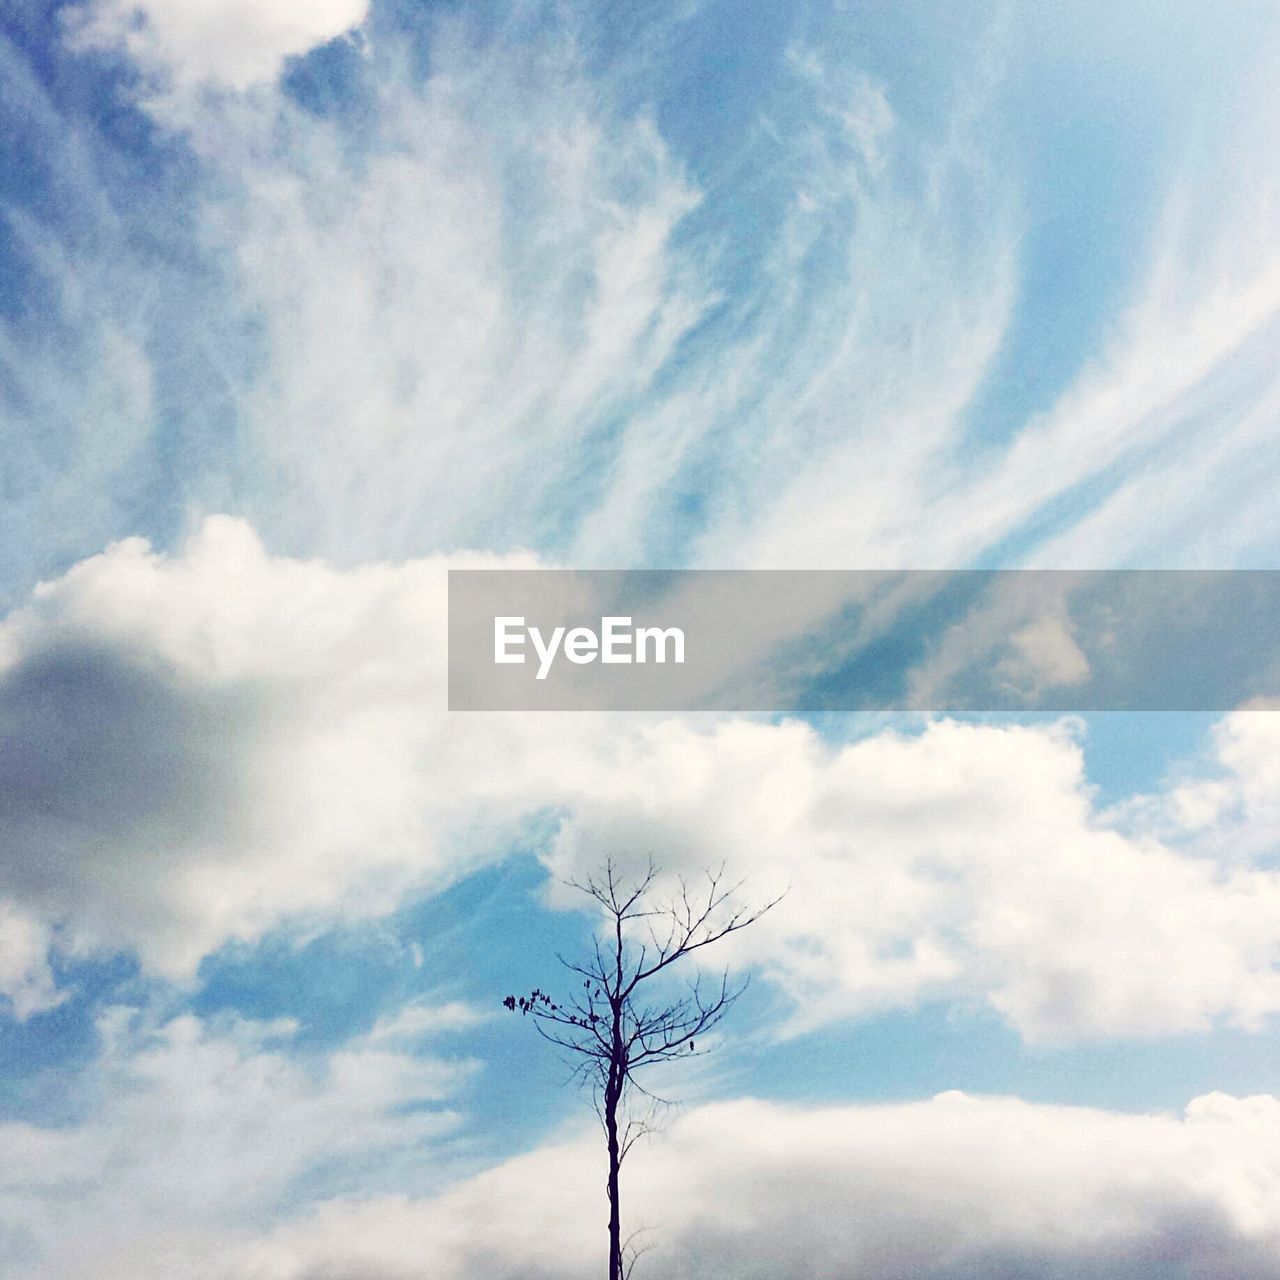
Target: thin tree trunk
615,1218
613,1096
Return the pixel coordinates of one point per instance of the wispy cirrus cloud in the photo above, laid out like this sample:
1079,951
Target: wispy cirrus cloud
456,313
478,296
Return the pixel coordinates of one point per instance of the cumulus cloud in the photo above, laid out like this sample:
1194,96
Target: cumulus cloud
217,1148
198,746
209,746
1227,800
214,1150
946,1189
964,862
230,44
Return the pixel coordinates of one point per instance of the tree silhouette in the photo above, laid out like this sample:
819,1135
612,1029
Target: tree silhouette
613,1027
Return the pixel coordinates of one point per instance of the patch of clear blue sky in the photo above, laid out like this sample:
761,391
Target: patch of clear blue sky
916,1053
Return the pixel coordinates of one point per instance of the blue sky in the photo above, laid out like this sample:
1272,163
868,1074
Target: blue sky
299,309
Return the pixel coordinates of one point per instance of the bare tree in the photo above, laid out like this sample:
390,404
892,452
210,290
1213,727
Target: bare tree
617,1023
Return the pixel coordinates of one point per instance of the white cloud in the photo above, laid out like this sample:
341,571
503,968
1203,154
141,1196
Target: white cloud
415,1021
964,863
1020,636
230,44
496,316
80,389
547,269
216,1150
865,331
209,746
196,1130
212,1151
1228,803
456,307
205,1150
200,746
1046,652
947,1189
25,976
1148,456
1247,744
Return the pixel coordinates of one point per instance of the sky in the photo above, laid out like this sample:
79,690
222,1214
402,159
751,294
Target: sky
301,307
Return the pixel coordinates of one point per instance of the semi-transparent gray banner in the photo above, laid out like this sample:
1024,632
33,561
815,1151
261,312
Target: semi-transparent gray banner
826,640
